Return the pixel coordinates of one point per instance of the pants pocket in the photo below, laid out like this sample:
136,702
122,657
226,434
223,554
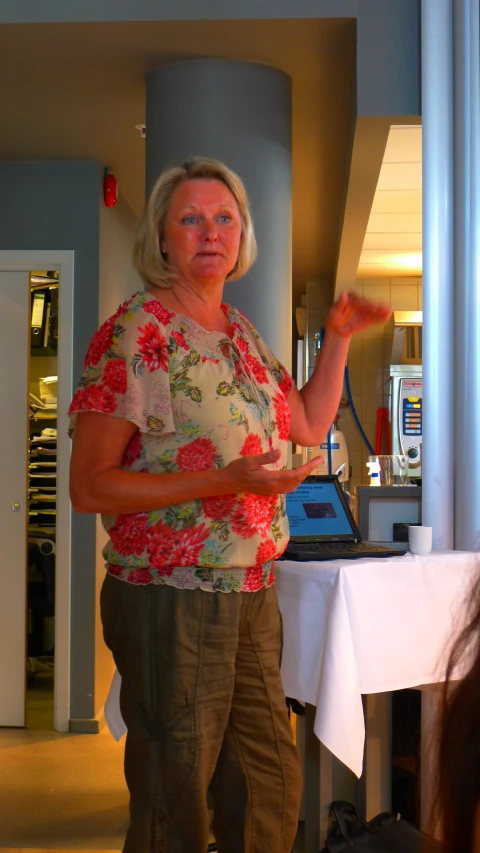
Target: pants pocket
110,608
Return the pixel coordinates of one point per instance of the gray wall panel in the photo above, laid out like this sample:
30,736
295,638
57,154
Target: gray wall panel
55,205
388,33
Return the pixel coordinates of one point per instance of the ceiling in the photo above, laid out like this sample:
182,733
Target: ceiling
393,241
78,90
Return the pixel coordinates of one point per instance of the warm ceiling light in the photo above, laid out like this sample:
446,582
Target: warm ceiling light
408,261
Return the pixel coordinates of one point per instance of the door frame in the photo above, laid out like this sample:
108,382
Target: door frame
63,261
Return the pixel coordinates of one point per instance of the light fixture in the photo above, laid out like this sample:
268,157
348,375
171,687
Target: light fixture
408,261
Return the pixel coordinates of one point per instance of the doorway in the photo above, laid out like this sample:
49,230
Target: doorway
34,627
42,441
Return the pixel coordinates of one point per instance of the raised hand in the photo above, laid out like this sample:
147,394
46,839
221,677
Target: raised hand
352,314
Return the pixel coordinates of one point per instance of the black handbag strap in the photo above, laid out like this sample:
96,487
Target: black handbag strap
341,810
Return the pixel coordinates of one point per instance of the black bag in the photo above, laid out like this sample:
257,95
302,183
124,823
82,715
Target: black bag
386,833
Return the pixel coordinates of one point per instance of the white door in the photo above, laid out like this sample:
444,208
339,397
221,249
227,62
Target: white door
14,365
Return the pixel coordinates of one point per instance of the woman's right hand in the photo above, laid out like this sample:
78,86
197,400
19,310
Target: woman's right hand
248,475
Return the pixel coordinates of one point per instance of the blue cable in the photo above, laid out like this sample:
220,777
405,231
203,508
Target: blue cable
354,413
355,416
329,434
329,445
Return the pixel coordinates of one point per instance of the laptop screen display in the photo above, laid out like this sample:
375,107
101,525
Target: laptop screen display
315,510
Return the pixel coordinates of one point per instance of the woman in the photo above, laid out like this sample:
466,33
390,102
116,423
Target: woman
458,797
182,420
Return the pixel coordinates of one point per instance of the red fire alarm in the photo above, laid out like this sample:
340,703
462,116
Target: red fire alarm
110,189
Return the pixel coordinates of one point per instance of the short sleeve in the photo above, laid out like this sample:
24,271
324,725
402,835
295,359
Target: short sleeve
277,369
280,372
126,373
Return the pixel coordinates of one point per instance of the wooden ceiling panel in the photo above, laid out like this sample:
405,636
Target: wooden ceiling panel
393,240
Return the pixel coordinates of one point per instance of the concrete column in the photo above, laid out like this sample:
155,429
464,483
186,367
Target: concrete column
437,99
239,113
467,274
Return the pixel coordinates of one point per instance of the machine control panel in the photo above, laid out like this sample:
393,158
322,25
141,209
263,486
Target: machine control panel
410,419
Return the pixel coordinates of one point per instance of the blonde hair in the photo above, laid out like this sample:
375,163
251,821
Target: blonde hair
147,256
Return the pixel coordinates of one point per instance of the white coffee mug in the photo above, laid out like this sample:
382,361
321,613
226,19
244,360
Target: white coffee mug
420,540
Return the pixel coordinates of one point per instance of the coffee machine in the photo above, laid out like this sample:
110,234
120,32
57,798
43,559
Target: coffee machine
405,391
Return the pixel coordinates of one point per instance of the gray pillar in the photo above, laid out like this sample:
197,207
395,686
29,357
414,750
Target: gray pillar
239,113
467,275
437,100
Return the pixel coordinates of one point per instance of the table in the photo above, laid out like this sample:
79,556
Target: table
356,627
370,626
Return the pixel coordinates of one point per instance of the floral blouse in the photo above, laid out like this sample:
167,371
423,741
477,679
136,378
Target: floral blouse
199,400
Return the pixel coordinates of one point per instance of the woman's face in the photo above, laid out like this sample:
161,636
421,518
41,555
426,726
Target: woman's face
202,231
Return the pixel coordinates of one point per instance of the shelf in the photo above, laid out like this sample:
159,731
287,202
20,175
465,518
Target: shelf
43,417
35,352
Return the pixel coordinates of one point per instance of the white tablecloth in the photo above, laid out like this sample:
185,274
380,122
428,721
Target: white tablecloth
359,626
366,626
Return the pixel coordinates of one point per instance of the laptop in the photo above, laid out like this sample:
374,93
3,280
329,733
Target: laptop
322,526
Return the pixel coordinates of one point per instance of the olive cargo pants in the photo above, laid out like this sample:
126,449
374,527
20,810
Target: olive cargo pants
205,710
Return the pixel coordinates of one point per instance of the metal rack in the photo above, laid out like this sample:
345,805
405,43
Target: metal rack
42,498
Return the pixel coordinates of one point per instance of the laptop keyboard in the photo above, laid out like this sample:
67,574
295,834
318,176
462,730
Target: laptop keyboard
334,547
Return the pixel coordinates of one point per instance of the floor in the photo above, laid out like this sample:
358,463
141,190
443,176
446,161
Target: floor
61,792
40,701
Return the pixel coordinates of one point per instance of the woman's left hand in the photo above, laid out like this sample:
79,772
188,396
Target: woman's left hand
352,313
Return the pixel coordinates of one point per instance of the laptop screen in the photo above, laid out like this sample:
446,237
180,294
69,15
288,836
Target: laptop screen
315,510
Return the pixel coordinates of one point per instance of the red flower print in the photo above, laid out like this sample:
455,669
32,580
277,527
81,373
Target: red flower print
116,571
282,415
180,339
219,507
252,446
266,551
157,309
100,343
286,384
129,534
95,398
133,450
160,545
257,368
124,307
78,403
239,370
100,399
115,375
242,345
189,544
206,358
198,455
140,576
253,579
253,515
152,345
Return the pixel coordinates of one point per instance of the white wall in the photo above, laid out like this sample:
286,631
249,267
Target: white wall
118,280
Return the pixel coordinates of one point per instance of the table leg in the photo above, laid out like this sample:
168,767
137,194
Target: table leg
374,788
300,743
431,706
318,786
